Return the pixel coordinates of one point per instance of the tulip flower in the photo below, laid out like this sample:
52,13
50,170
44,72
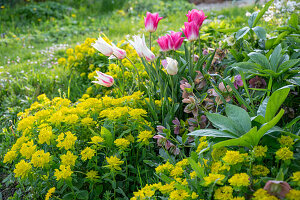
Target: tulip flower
151,22
141,48
170,65
170,42
118,53
196,16
164,43
104,79
191,31
102,46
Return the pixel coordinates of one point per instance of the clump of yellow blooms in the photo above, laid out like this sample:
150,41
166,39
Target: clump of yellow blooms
177,171
284,153
239,180
262,194
293,194
260,170
296,177
179,195
87,153
260,151
224,192
92,175
10,156
97,140
114,163
63,172
164,168
22,169
234,157
28,149
212,178
66,140
144,137
49,193
68,159
122,143
286,141
40,158
45,135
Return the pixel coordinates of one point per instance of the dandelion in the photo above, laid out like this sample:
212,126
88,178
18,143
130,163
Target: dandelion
87,153
239,180
114,163
22,169
49,193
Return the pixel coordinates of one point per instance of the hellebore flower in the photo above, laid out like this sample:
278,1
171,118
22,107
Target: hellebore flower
277,188
176,122
196,16
141,48
238,81
151,21
104,79
102,46
191,31
257,82
170,65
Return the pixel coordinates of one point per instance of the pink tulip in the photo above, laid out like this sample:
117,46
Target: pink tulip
104,79
164,43
176,40
191,31
151,21
196,16
119,53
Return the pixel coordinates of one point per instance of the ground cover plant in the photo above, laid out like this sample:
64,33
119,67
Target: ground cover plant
166,102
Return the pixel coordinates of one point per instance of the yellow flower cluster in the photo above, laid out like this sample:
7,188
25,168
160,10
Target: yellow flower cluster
45,135
40,158
164,168
68,159
284,153
286,141
92,175
262,194
63,172
49,193
212,178
97,140
144,137
296,177
87,153
10,156
239,180
28,149
122,143
234,157
66,142
114,163
260,151
260,170
293,194
22,169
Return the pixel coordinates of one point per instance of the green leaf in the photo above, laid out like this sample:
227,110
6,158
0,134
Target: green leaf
275,101
267,126
242,32
294,20
208,64
294,80
287,65
260,32
224,123
239,116
68,196
260,59
260,119
269,43
82,194
262,107
107,135
212,133
280,37
196,167
246,140
252,18
262,12
275,58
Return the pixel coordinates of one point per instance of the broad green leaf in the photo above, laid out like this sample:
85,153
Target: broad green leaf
252,18
196,167
238,56
247,66
260,32
275,101
269,43
267,126
287,65
275,58
294,80
82,194
212,133
239,116
262,12
260,59
242,32
262,107
294,20
260,119
280,37
224,123
107,135
246,140
68,196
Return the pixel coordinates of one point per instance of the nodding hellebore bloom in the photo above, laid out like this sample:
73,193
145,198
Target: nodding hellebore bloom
171,41
141,48
104,79
109,50
196,16
191,31
151,22
170,65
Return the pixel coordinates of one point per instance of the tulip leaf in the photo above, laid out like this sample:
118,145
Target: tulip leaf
262,12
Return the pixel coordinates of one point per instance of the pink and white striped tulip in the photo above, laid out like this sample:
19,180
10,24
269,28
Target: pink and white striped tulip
191,31
102,46
196,16
119,53
164,43
104,79
176,40
151,22
141,48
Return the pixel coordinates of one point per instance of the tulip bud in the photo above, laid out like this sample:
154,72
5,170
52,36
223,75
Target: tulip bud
103,47
191,31
151,22
104,79
171,66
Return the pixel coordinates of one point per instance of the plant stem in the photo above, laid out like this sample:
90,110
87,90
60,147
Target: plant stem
270,85
150,41
137,71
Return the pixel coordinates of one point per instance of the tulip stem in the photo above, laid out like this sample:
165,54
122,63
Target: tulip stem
150,41
137,71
